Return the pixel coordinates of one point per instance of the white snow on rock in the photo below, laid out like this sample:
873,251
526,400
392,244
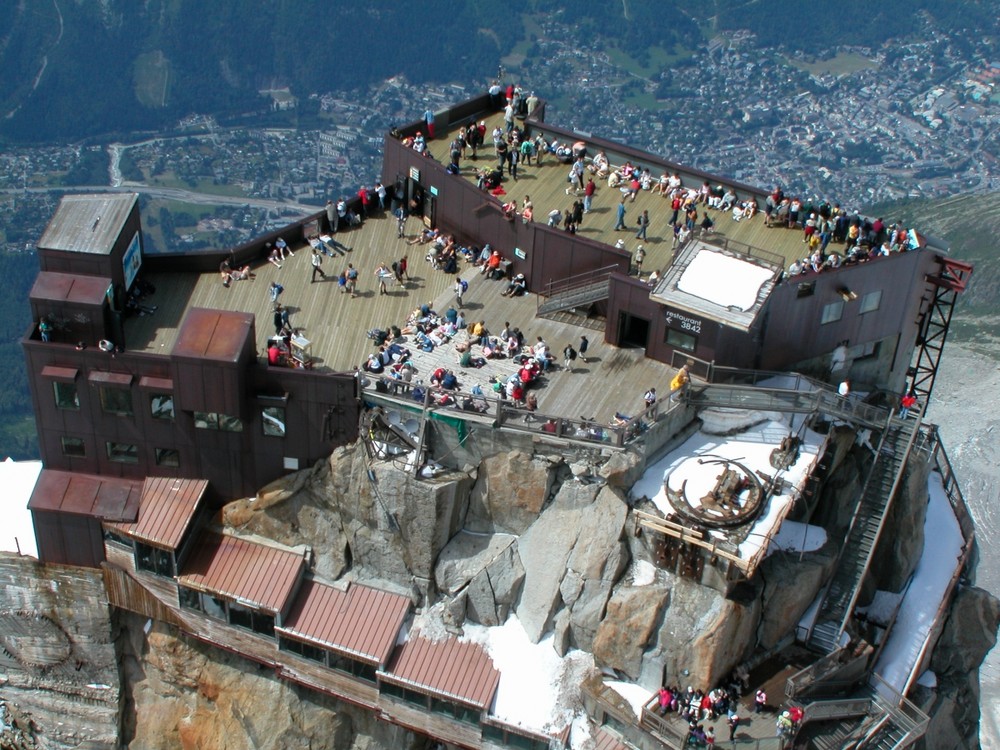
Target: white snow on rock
724,280
797,537
636,695
943,543
539,690
18,479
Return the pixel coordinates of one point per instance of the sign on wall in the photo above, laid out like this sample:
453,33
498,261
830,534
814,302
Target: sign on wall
132,261
684,323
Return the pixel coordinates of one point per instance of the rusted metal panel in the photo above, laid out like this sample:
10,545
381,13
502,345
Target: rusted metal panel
605,741
53,286
166,509
88,223
449,668
106,498
361,622
215,335
257,575
110,378
62,374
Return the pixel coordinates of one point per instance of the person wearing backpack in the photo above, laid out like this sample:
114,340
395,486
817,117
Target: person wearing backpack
569,355
461,286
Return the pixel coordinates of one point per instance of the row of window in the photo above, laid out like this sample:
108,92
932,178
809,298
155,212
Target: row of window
831,314
161,406
122,453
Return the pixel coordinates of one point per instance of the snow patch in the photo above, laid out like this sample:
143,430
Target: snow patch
724,280
943,544
636,695
18,479
539,690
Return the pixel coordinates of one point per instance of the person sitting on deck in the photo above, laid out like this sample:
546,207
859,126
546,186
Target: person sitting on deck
517,286
274,256
599,166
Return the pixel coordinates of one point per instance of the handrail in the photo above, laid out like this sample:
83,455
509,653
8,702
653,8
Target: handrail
849,609
742,248
576,281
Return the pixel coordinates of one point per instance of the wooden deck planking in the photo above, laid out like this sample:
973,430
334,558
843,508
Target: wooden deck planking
546,184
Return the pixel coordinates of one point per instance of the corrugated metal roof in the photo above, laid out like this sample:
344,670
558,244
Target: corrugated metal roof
70,287
605,741
106,498
166,509
451,669
213,334
361,622
257,575
88,223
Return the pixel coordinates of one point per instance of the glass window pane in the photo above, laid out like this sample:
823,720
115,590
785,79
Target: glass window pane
168,457
124,453
75,447
66,395
679,340
161,405
871,302
832,312
116,400
230,424
273,419
206,420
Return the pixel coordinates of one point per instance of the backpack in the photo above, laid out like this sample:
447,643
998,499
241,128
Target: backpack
570,353
465,286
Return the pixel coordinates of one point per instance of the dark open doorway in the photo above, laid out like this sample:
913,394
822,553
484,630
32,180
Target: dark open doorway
632,331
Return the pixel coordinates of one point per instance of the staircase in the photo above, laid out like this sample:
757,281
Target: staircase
581,290
787,400
577,297
863,534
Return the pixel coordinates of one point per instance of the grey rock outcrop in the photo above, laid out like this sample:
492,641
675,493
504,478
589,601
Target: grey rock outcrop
790,586
572,556
633,617
510,492
486,569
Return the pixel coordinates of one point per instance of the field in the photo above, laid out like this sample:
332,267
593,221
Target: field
843,63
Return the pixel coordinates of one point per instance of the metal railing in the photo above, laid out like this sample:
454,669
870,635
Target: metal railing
576,282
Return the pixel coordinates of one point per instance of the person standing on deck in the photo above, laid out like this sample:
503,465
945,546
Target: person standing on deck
317,265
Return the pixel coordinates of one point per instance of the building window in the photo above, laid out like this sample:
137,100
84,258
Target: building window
74,447
870,302
832,313
154,560
161,406
66,395
210,420
123,453
168,457
116,401
681,340
273,420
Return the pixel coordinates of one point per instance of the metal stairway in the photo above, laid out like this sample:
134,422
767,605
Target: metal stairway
862,536
817,401
581,290
577,297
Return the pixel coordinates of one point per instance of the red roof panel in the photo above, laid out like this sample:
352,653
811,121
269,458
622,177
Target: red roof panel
451,669
361,622
257,575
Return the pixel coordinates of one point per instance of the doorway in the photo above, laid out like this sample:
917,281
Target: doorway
632,330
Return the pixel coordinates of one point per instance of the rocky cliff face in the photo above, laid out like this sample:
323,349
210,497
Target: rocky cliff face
182,694
58,666
547,539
